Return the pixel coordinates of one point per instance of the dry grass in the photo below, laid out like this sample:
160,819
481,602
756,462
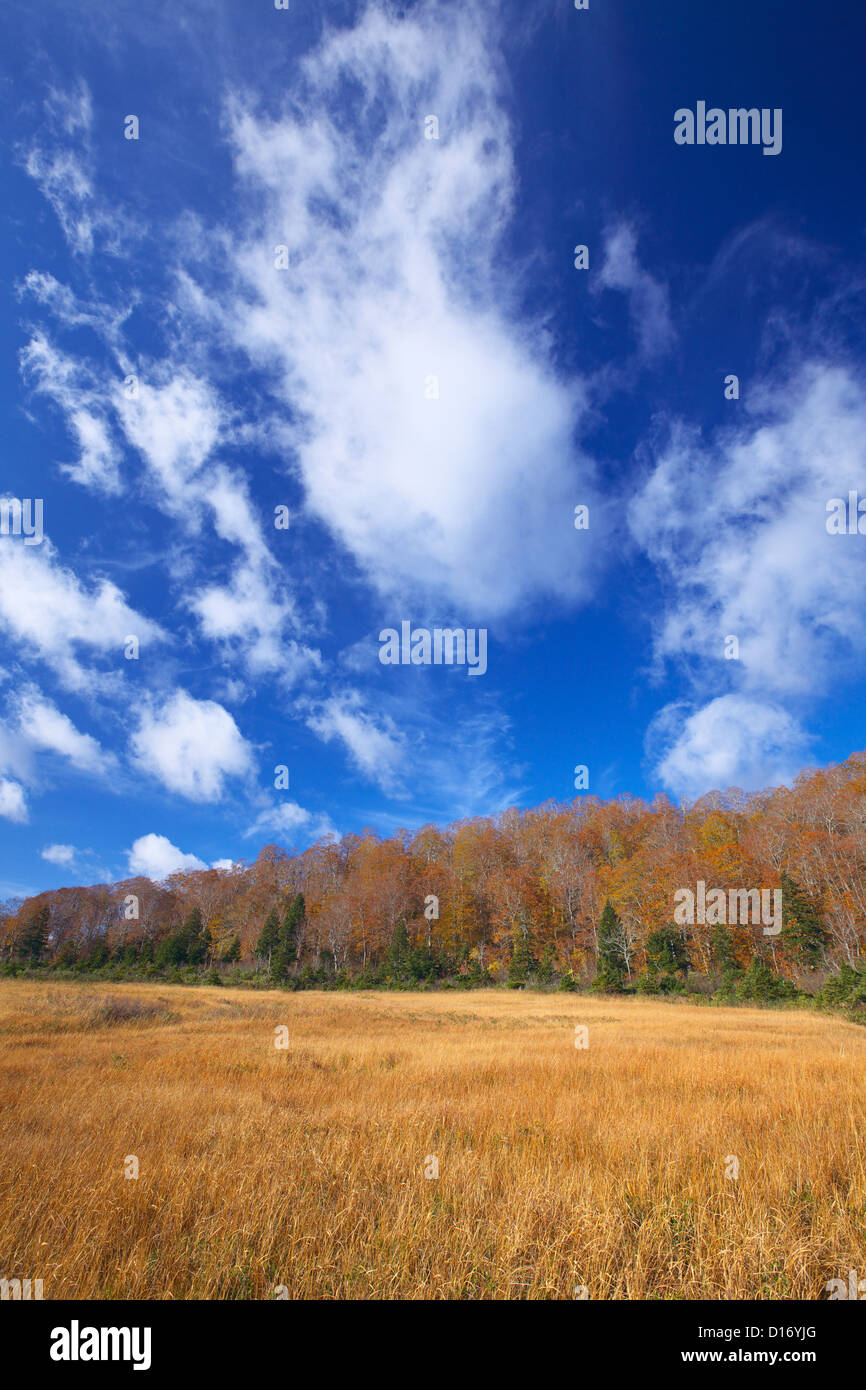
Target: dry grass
558,1167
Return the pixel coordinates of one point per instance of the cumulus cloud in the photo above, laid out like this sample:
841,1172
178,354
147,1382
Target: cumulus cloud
289,819
62,855
191,746
155,857
13,803
730,742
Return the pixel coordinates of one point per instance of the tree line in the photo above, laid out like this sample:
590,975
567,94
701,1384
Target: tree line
567,895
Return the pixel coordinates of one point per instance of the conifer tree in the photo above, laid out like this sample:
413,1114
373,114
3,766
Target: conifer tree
611,951
803,937
34,938
286,953
196,936
270,937
547,967
397,959
723,954
522,960
666,952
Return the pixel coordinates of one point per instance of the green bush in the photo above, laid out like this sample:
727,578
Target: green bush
760,983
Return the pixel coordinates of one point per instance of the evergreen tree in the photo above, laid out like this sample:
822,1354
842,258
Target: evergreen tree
98,954
287,946
171,950
840,988
522,961
546,966
269,939
397,959
193,924
803,937
611,951
293,924
760,983
723,955
34,937
233,951
196,938
67,953
666,952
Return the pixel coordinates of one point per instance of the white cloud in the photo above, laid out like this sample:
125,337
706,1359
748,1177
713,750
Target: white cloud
739,531
61,164
289,819
97,461
648,299
176,422
254,609
52,613
175,425
376,749
13,805
65,182
730,742
59,854
61,171
66,382
43,726
394,249
154,856
191,746
57,297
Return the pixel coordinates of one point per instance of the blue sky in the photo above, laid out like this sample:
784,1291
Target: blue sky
165,385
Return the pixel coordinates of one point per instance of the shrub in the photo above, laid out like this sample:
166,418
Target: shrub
760,983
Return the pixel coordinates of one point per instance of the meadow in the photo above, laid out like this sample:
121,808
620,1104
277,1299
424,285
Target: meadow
686,1151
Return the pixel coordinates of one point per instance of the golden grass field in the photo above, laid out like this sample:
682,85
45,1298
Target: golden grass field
559,1167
